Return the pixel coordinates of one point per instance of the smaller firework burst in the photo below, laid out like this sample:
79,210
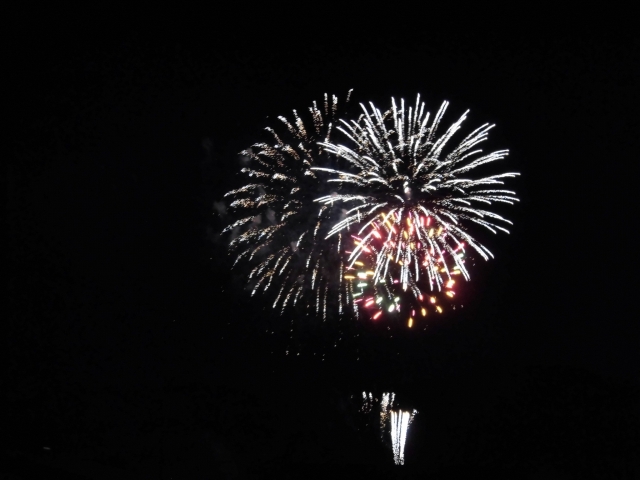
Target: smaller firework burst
387,275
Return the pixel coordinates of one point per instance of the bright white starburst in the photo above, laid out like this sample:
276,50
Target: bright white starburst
412,200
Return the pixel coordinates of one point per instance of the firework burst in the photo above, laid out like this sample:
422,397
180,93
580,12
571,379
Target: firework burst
281,231
411,205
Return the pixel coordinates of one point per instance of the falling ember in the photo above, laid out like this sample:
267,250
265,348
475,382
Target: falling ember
410,324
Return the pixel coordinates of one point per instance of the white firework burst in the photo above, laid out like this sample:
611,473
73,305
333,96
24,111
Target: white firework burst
281,232
412,199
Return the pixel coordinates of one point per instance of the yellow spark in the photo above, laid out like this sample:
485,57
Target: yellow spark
360,264
424,312
450,283
439,309
450,294
349,277
433,299
410,322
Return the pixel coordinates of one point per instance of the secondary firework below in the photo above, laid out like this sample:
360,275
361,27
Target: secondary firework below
373,215
392,422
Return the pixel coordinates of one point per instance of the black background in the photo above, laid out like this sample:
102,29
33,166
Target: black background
133,352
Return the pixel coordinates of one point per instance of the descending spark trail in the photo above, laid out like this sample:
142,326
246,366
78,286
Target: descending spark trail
411,202
393,421
400,421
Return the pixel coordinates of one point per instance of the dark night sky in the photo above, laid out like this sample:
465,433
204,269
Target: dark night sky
126,354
